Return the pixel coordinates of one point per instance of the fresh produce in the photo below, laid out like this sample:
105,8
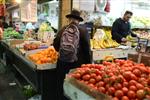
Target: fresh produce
11,33
30,46
104,42
45,56
122,79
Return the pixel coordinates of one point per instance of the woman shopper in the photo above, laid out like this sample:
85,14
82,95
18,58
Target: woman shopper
73,46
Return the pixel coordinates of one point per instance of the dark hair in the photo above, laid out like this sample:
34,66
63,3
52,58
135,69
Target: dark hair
128,12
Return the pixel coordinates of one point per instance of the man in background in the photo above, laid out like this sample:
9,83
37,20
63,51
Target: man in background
121,28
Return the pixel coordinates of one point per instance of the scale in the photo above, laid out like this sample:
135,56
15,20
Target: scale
142,45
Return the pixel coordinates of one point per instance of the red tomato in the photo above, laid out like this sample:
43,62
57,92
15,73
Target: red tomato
100,84
93,75
133,77
117,86
147,89
101,89
132,82
119,94
91,85
113,79
77,75
133,88
144,83
127,75
137,72
111,74
115,98
107,86
141,80
140,94
111,90
106,80
131,94
139,86
147,97
125,98
92,80
125,90
86,77
98,78
125,84
148,81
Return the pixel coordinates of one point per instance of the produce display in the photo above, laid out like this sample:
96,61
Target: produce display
48,55
30,46
11,33
104,42
121,79
140,22
143,34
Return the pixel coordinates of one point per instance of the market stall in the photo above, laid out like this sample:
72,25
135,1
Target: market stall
34,74
119,80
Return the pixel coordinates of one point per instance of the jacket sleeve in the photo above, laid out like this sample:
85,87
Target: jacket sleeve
132,34
85,45
115,35
56,42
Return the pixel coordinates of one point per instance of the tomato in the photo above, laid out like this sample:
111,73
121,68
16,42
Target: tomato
125,90
98,78
101,89
137,72
111,74
119,94
133,77
115,98
141,80
125,98
144,83
132,82
147,89
93,75
106,80
92,80
140,94
125,84
131,94
111,90
133,88
139,86
148,81
120,78
112,79
86,77
117,86
127,75
107,86
91,85
77,75
100,84
147,97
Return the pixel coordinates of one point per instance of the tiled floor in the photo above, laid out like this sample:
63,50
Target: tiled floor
8,92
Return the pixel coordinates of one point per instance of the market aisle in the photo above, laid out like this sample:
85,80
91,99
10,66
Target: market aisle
9,92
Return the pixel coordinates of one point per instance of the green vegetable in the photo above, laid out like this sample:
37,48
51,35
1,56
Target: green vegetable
11,33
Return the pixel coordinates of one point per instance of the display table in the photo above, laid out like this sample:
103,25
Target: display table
116,52
75,90
42,80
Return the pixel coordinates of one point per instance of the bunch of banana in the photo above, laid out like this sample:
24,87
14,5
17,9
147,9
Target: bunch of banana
105,42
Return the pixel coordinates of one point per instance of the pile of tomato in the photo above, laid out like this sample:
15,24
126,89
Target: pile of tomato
121,79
